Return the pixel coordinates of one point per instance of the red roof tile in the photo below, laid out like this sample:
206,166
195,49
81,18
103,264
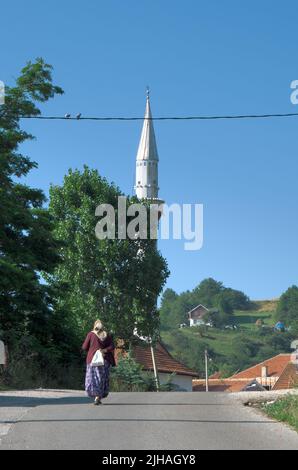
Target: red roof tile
275,367
216,375
220,385
288,377
164,361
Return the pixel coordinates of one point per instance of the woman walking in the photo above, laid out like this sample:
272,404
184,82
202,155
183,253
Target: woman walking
97,376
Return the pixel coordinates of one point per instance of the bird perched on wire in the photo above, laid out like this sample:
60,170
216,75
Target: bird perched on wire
67,116
78,115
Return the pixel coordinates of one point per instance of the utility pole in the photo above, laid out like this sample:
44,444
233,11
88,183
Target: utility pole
206,370
159,213
154,368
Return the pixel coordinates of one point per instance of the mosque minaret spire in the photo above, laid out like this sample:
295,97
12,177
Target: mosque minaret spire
146,186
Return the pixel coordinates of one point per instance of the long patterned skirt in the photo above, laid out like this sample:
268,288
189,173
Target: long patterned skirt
97,380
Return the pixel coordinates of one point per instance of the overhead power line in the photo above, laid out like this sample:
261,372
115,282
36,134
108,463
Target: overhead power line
161,118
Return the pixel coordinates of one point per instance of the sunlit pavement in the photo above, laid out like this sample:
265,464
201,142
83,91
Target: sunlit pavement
169,420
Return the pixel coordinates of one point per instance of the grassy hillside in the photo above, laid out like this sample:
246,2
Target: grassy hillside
231,350
265,305
261,309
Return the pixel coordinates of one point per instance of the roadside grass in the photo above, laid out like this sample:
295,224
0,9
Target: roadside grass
284,409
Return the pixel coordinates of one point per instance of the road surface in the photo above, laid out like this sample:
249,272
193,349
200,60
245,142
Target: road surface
170,420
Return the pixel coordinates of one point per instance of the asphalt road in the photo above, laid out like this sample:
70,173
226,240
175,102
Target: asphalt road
138,421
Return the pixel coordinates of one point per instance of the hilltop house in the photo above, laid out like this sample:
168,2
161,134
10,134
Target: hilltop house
196,315
278,372
166,365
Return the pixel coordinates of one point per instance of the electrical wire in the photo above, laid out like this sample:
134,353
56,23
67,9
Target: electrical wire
165,118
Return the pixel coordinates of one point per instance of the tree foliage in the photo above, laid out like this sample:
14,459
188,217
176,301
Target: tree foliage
112,279
287,308
217,318
210,293
129,376
190,350
27,246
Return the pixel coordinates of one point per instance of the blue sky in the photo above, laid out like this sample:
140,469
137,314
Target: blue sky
198,58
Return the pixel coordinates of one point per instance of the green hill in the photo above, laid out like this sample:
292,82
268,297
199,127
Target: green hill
230,349
260,309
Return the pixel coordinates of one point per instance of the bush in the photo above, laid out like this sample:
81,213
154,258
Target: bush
168,386
32,365
28,373
218,319
129,376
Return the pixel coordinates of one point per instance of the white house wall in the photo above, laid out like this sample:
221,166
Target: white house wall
193,322
183,382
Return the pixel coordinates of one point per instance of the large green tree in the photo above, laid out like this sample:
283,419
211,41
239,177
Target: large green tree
115,280
26,243
287,308
167,314
211,293
207,291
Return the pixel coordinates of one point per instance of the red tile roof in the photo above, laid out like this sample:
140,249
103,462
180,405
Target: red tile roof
288,377
216,375
164,361
275,367
220,385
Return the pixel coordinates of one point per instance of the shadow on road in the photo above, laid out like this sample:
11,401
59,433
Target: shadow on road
141,420
13,401
35,401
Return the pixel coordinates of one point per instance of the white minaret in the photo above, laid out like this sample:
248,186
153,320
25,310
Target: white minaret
146,186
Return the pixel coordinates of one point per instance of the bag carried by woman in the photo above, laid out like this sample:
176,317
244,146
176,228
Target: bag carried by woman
98,359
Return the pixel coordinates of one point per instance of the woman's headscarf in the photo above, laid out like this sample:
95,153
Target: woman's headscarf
99,330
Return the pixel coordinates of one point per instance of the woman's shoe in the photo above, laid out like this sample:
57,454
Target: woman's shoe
97,401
